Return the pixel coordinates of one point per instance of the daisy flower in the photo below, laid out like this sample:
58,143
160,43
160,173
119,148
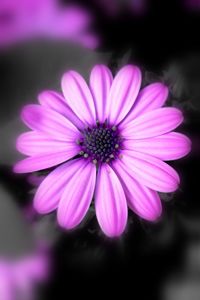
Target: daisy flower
109,141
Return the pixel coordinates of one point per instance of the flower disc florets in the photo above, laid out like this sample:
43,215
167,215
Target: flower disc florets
100,143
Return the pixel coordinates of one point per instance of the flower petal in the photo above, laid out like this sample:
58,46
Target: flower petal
123,92
150,171
52,187
57,103
34,143
50,122
153,123
110,202
78,97
151,97
100,83
44,160
6,280
169,146
77,196
142,200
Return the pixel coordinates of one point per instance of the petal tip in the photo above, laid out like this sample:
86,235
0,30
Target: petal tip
174,187
65,77
67,74
113,233
23,113
187,146
65,224
17,169
38,207
157,214
43,95
132,69
179,113
164,90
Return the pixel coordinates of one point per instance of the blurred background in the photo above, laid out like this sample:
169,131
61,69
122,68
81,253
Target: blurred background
39,41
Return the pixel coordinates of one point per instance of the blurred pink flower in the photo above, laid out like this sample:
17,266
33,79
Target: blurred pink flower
118,137
26,19
19,277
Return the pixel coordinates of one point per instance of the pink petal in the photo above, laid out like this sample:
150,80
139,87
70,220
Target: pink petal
150,171
77,196
78,97
69,23
153,123
33,268
100,83
57,103
110,202
51,189
46,120
35,143
44,160
6,280
169,146
142,200
151,97
123,92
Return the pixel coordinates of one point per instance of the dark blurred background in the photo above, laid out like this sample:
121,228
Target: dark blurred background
150,261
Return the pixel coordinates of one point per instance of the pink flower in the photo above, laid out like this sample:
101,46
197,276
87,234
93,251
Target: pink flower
19,277
109,140
25,19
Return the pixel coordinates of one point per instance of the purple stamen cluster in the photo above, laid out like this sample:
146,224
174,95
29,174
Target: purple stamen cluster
101,143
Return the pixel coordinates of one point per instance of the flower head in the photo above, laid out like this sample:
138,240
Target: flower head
109,140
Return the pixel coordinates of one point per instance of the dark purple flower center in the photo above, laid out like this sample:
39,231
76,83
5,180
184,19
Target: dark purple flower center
101,143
